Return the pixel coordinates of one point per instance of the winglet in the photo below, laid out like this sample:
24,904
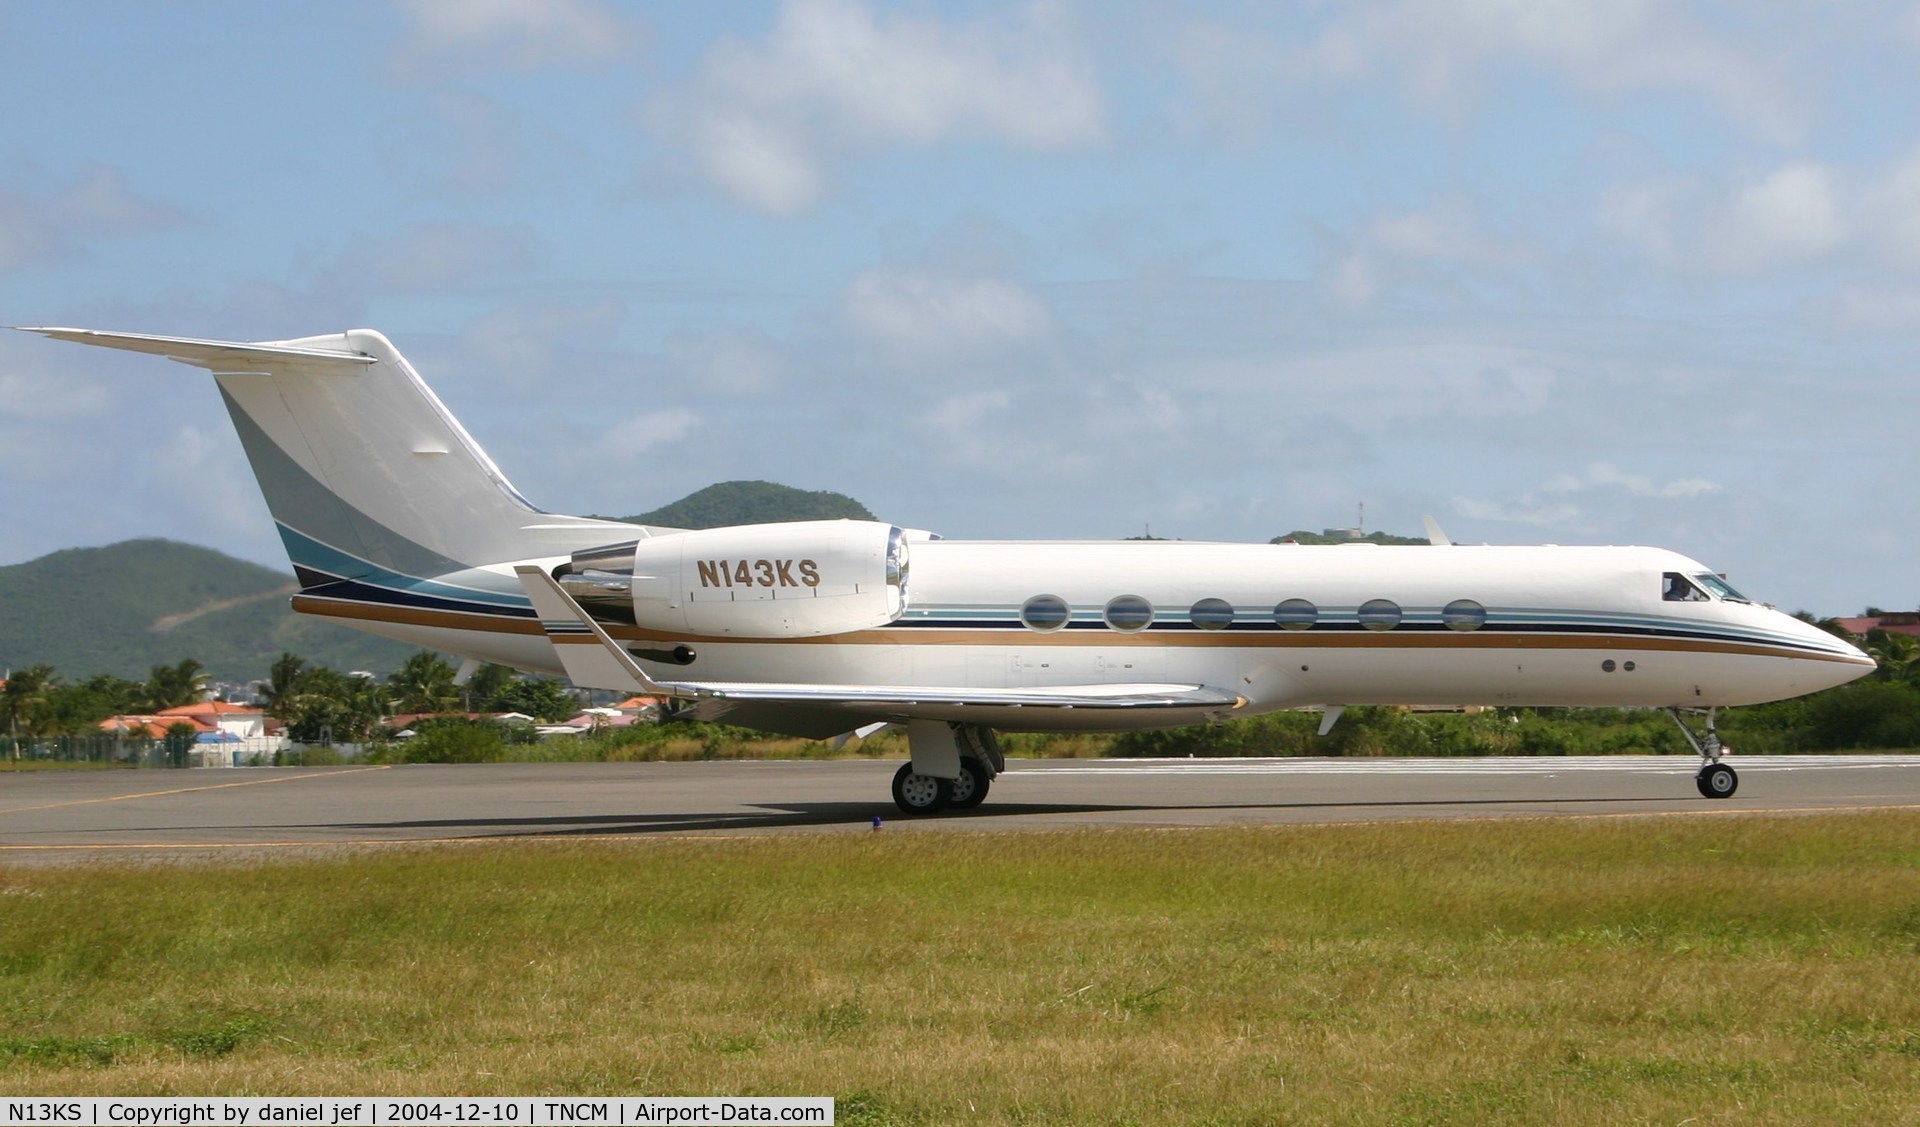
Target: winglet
590,656
1436,537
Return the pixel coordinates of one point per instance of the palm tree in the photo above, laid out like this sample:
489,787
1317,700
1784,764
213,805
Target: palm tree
328,705
24,701
424,684
366,704
284,682
482,691
1898,655
170,686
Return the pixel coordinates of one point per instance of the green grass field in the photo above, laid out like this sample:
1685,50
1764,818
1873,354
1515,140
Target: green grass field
1723,969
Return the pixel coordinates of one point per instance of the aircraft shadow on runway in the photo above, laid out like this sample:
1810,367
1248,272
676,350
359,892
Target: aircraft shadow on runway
800,815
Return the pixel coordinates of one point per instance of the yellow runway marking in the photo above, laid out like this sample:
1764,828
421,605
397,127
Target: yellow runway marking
517,839
188,790
107,847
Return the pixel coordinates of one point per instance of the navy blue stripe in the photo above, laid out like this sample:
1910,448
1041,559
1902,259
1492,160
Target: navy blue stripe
353,591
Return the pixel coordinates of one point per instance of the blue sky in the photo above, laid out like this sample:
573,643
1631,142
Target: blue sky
1555,272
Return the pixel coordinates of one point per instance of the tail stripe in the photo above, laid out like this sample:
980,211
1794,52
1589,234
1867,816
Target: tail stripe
328,565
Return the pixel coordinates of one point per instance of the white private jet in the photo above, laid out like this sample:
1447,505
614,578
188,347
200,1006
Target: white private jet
398,523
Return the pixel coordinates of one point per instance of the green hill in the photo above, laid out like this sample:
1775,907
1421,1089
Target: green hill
1302,536
127,607
752,502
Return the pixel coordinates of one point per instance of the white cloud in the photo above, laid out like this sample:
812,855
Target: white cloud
965,413
542,346
208,467
765,119
37,397
1413,248
1443,46
648,430
517,35
1793,215
740,361
1890,212
764,164
1580,502
934,317
1532,509
1876,309
52,223
996,435
432,257
1601,475
1372,385
468,147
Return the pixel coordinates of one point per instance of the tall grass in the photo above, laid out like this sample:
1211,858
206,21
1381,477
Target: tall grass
1360,732
1718,970
459,740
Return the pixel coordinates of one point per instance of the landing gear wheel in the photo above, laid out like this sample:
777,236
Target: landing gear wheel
1717,780
970,789
920,794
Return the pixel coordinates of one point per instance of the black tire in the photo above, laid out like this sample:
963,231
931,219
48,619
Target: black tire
1717,780
920,794
970,789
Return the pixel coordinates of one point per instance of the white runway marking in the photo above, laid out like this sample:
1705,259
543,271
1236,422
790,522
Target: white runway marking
1654,764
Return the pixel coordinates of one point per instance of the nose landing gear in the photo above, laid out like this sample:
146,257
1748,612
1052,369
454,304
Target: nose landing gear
1716,779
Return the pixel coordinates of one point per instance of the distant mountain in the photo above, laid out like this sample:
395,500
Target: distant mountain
127,607
752,502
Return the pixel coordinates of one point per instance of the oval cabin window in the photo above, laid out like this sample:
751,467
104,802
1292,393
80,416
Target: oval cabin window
1044,612
1129,613
1379,614
1296,614
1463,614
1212,614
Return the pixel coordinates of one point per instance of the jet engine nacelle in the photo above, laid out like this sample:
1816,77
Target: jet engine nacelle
798,580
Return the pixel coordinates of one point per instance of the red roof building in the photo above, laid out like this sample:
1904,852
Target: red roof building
1899,622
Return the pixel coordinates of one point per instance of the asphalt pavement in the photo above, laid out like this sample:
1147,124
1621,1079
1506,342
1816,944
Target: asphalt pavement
60,817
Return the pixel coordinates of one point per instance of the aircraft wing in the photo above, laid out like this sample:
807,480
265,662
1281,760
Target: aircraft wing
592,658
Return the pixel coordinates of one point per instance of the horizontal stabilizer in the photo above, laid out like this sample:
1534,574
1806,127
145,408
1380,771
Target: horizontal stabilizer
214,355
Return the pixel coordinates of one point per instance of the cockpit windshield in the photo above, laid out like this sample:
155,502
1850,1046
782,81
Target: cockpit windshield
1721,588
1677,588
1700,587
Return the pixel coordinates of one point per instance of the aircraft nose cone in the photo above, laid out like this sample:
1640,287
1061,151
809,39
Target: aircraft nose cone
1840,662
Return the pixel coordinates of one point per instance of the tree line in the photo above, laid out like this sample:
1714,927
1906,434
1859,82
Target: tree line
321,705
317,704
1877,712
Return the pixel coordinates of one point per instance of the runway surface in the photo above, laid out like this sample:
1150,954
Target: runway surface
63,816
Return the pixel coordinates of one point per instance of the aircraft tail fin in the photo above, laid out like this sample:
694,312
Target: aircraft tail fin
368,475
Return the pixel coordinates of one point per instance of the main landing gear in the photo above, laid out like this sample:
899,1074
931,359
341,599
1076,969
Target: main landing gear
970,752
1716,779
